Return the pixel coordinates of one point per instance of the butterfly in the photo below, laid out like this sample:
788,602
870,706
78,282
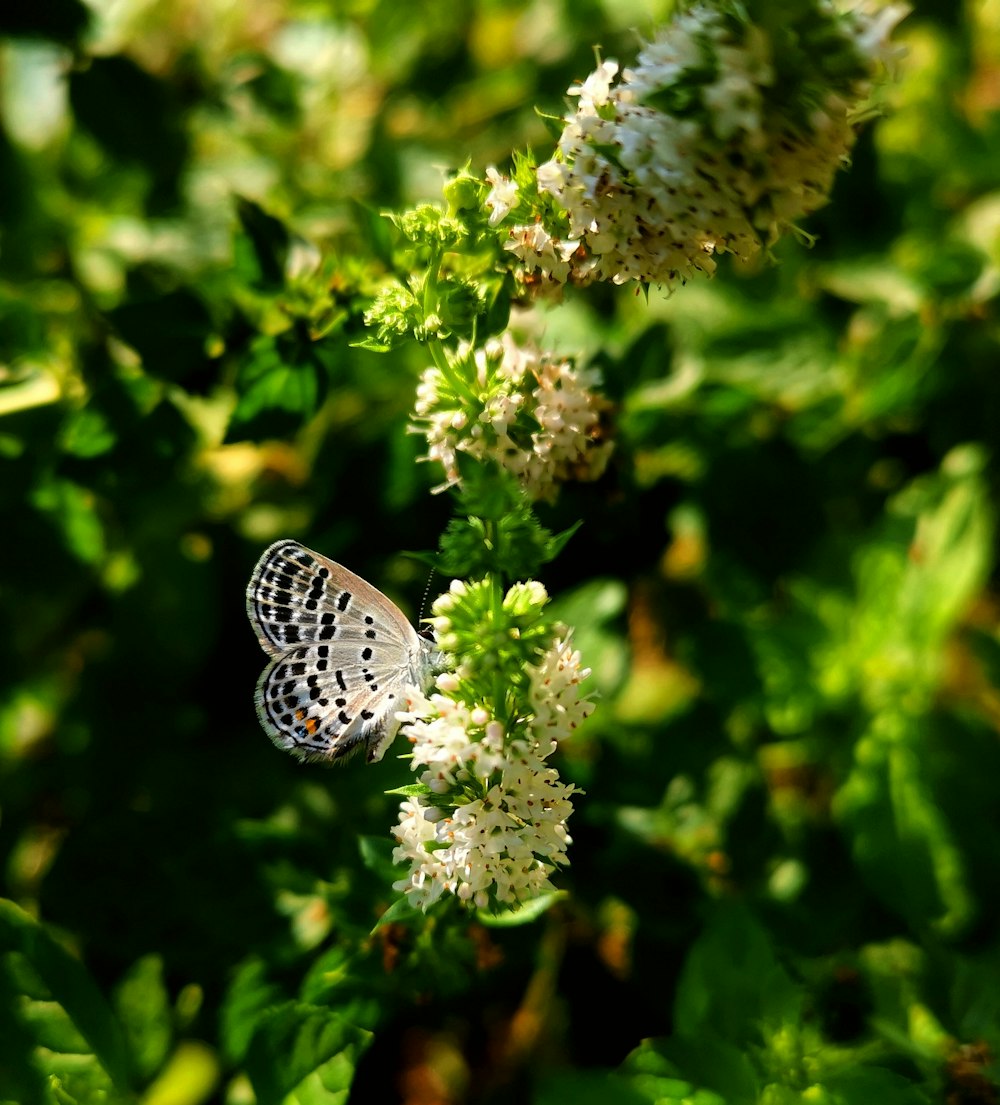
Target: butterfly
343,656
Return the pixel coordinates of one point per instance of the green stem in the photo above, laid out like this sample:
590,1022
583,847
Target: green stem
431,297
449,370
501,707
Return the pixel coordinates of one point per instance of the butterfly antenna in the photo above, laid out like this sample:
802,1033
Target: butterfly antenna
427,591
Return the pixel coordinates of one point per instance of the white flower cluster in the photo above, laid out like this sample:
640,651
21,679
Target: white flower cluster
493,826
555,692
700,149
535,416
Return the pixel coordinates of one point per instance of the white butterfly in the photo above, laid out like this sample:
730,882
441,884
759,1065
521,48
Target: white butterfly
343,656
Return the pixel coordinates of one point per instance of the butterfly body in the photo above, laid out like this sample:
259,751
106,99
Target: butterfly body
343,656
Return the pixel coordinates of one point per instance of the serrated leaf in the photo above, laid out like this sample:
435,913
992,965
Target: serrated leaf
279,386
70,985
755,987
304,1054
250,993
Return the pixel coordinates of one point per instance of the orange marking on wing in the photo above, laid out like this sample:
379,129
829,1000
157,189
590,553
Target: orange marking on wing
312,724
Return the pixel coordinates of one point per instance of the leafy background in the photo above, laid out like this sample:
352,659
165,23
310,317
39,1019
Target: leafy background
784,872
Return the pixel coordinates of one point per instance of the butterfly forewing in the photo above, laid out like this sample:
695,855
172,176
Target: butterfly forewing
343,654
299,597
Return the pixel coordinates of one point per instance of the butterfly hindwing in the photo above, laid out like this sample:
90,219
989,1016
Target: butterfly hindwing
318,703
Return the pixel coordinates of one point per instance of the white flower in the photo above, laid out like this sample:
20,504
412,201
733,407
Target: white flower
595,89
502,196
427,879
874,27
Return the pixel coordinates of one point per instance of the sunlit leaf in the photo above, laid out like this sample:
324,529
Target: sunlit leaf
304,1055
74,1000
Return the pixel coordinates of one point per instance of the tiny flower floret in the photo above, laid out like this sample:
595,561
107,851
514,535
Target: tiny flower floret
501,197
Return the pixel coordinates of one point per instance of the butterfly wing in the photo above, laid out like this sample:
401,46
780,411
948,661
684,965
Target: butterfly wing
343,655
297,596
320,705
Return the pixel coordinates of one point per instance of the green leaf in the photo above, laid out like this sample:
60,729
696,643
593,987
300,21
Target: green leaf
268,239
587,1087
594,613
400,910
143,1008
279,385
149,132
73,510
865,1085
376,855
900,838
64,21
189,1077
169,331
523,915
951,553
411,790
304,1055
649,1071
249,994
69,984
723,1073
377,231
754,987
915,579
87,433
559,541
372,345
495,529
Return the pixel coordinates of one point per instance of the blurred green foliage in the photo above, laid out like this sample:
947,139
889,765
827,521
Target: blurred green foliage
784,883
